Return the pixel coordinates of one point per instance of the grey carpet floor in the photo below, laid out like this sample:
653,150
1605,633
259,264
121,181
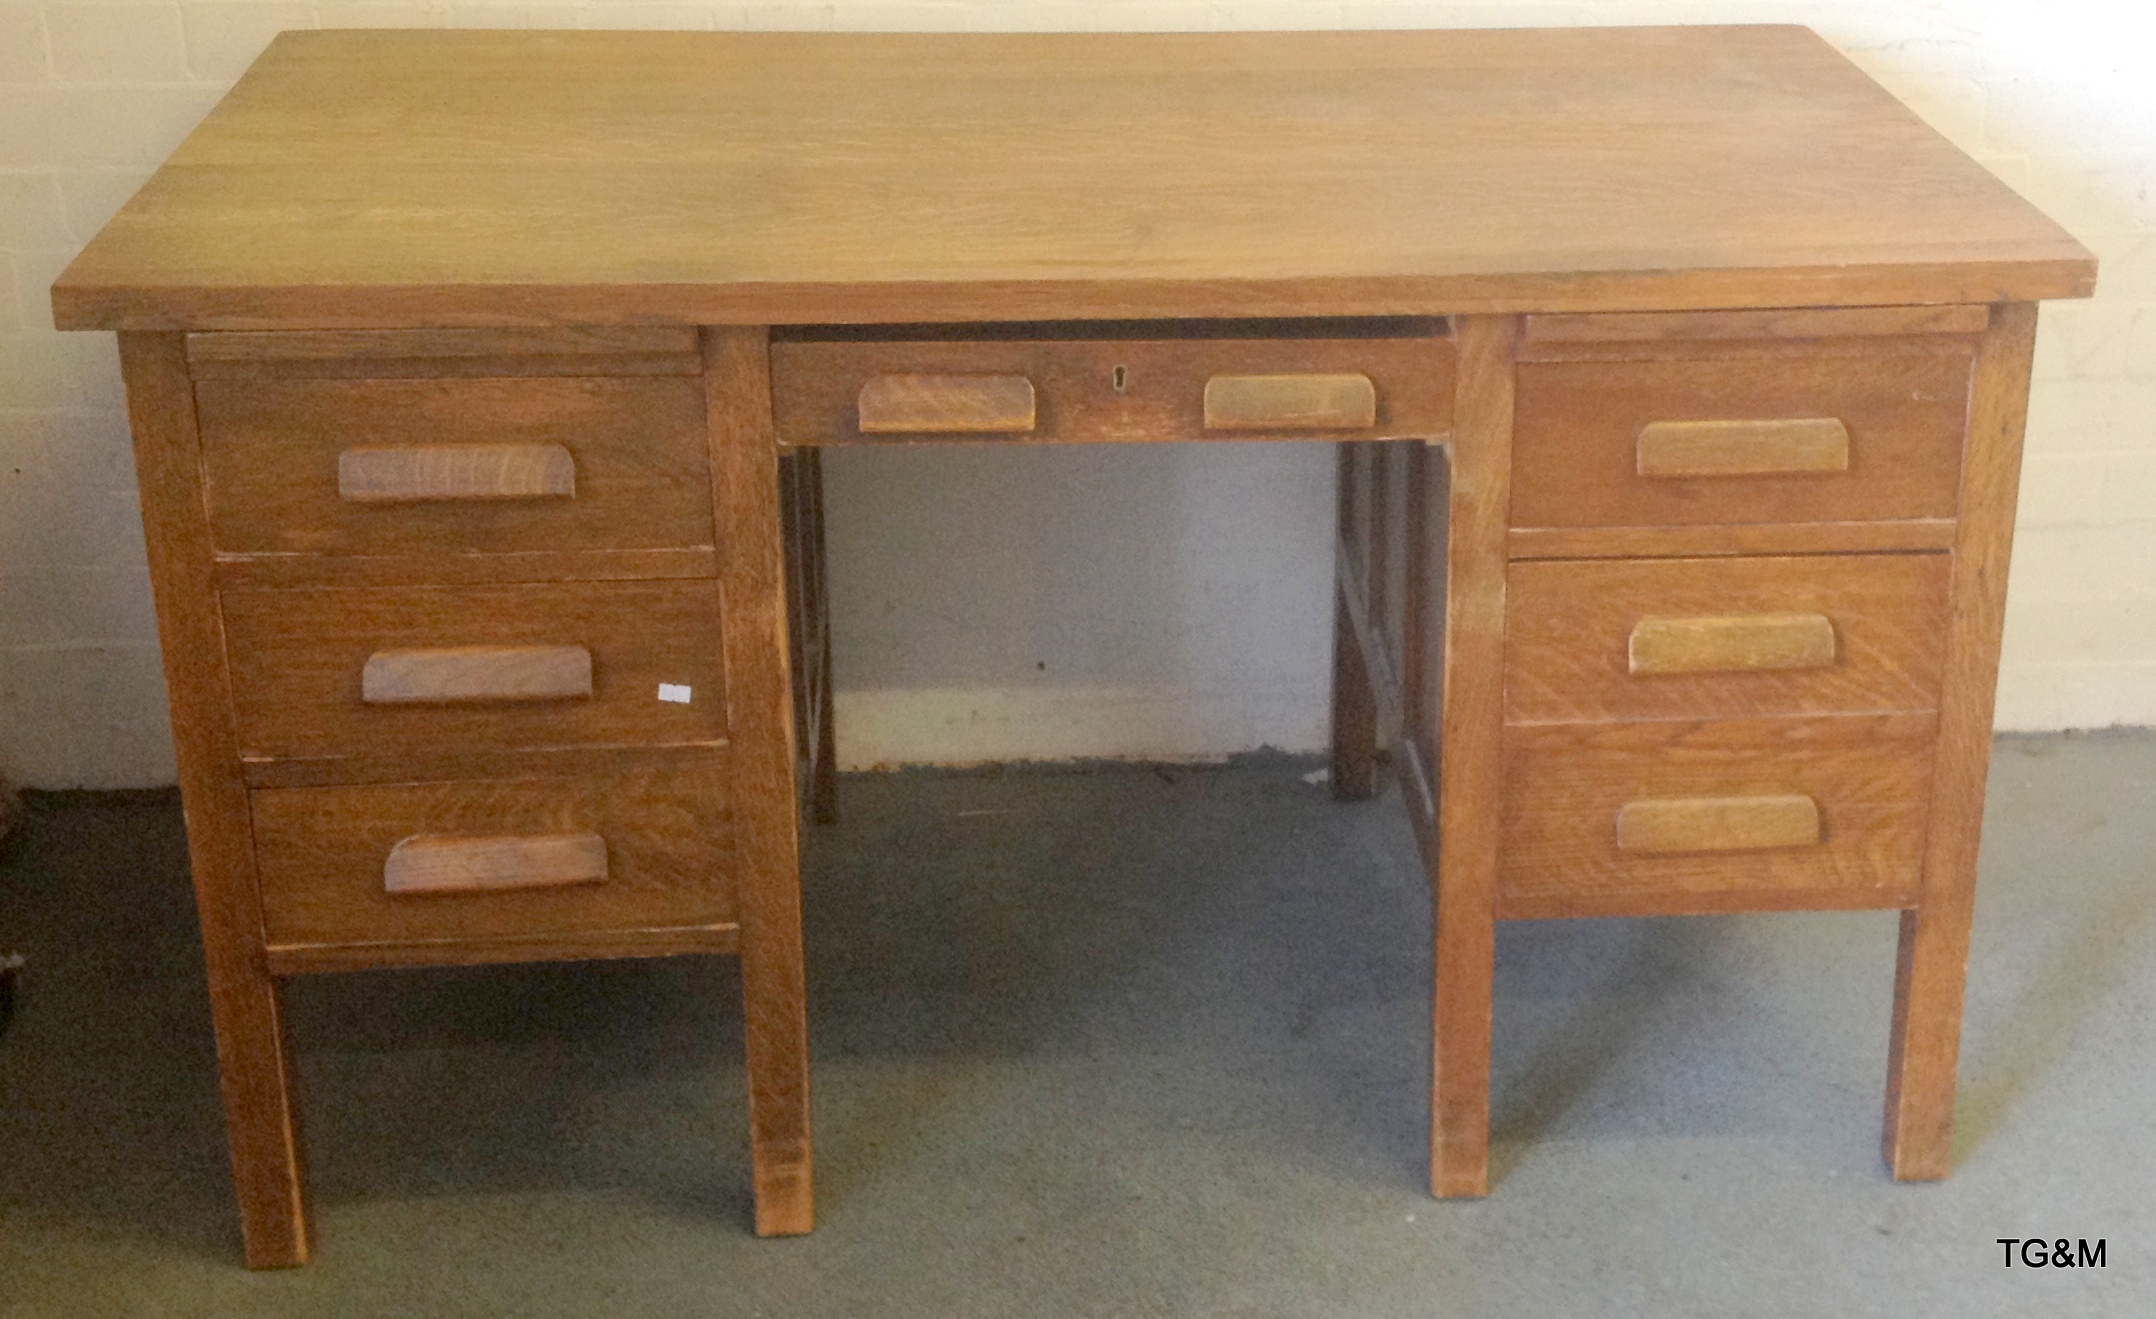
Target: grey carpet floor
1125,1042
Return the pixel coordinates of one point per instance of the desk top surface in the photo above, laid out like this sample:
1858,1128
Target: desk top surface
408,178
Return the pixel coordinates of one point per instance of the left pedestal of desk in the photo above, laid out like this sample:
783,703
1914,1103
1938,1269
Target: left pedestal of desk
473,655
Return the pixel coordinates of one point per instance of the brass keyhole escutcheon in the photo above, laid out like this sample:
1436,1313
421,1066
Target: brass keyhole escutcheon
1116,379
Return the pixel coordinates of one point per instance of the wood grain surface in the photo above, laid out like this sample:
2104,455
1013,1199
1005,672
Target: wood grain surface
1423,678
1566,785
253,1072
776,178
1779,323
1290,402
391,765
1363,572
299,657
247,572
1113,389
1768,447
1731,643
275,451
1384,698
808,632
425,473
1570,647
1932,966
1738,538
1903,403
760,706
720,939
510,350
1463,852
476,675
1671,826
480,863
916,403
668,857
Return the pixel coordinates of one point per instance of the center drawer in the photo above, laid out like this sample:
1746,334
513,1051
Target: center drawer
428,673
1066,383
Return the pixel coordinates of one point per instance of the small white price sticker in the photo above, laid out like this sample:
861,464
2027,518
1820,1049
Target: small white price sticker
676,692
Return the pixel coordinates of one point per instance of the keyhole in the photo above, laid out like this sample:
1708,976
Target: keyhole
1116,379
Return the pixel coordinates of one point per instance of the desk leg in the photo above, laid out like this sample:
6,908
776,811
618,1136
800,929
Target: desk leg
1354,767
823,795
823,792
252,1070
760,727
1469,742
1934,957
808,634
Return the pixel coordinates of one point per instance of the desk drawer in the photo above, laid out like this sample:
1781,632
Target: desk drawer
1065,389
439,470
1603,819
1830,432
432,673
1724,638
523,859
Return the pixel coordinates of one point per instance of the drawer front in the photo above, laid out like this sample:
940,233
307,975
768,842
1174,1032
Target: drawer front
485,351
1671,817
1724,638
843,391
431,673
410,863
448,467
1798,434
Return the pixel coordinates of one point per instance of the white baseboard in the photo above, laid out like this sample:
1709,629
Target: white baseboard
960,726
884,729
2076,694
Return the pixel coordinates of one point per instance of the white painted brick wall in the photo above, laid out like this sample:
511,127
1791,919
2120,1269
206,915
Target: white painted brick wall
2056,96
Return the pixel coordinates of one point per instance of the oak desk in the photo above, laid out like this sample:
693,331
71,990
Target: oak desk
477,380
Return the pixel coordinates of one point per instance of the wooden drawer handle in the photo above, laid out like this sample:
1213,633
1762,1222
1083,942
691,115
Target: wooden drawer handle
932,404
429,472
1737,644
476,673
1743,448
1290,403
440,863
1671,826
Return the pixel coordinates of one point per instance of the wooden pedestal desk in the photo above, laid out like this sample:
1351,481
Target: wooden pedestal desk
478,381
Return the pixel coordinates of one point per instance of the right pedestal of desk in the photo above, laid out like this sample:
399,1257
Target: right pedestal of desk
1753,574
